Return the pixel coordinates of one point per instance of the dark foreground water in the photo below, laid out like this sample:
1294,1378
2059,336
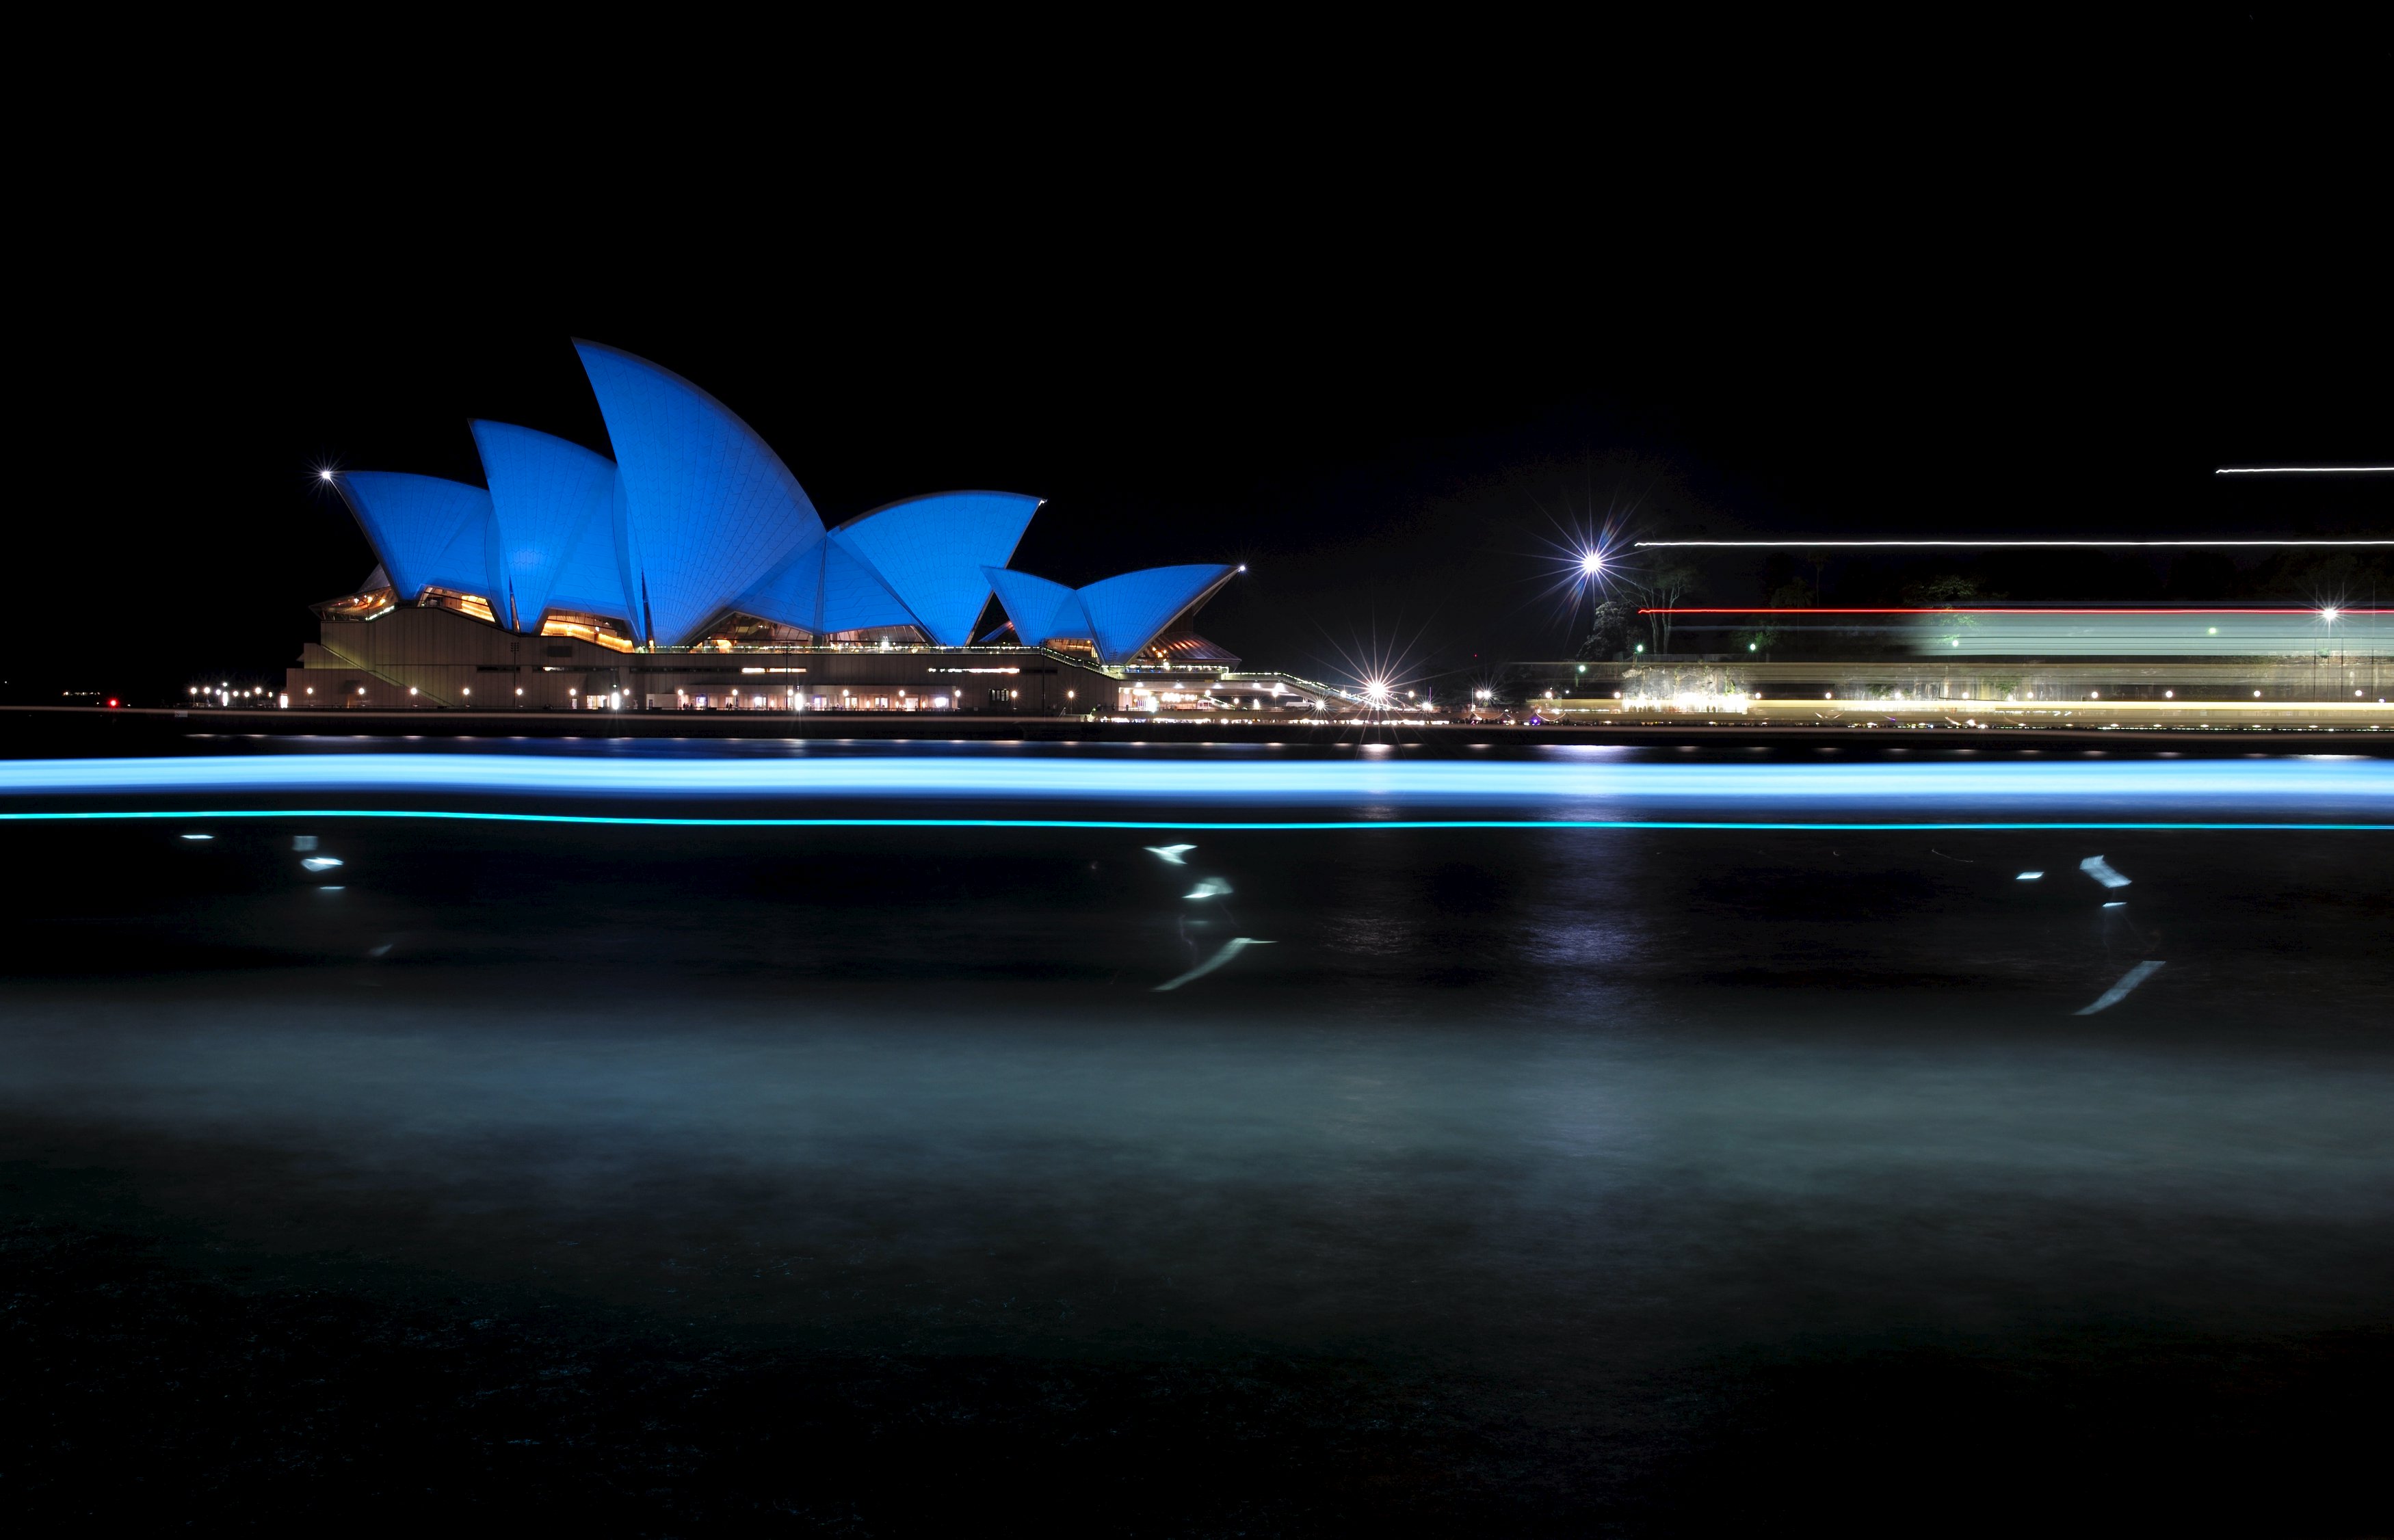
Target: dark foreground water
681,1179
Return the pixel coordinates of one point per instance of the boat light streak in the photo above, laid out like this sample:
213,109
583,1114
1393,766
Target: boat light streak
1352,825
1554,777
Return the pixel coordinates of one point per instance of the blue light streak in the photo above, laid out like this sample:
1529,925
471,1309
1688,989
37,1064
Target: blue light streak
1260,826
2345,786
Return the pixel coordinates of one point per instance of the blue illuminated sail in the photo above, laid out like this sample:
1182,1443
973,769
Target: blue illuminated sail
931,552
710,510
554,503
1130,611
1041,612
425,530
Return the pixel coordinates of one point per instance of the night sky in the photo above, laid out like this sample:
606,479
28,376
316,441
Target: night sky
1394,356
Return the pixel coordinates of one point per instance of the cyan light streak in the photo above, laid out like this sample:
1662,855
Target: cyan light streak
1355,825
1583,783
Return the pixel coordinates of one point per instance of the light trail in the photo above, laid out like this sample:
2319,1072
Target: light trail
1553,777
1978,631
2120,990
1982,545
1257,826
2303,470
1230,949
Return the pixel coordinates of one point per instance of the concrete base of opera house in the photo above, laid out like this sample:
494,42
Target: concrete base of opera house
415,658
45,729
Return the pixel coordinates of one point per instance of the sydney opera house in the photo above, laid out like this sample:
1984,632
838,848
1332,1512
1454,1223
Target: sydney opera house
692,572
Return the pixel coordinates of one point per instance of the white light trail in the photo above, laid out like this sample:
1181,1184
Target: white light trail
2119,991
2304,471
2103,872
1230,949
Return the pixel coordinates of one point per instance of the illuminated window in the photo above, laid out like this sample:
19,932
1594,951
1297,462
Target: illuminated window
368,605
474,605
600,629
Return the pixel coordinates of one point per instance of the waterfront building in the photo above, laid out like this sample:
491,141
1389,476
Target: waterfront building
692,572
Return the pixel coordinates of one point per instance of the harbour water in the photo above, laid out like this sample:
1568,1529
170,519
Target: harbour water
1590,1142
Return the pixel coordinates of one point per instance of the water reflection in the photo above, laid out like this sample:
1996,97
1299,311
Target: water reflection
1525,1198
1567,1117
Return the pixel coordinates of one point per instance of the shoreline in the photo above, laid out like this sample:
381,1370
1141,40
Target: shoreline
36,731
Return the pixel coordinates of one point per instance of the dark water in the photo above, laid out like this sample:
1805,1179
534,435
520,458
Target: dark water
862,1181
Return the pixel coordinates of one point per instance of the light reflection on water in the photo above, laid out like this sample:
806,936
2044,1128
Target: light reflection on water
1582,1144
1545,1108
1524,1199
